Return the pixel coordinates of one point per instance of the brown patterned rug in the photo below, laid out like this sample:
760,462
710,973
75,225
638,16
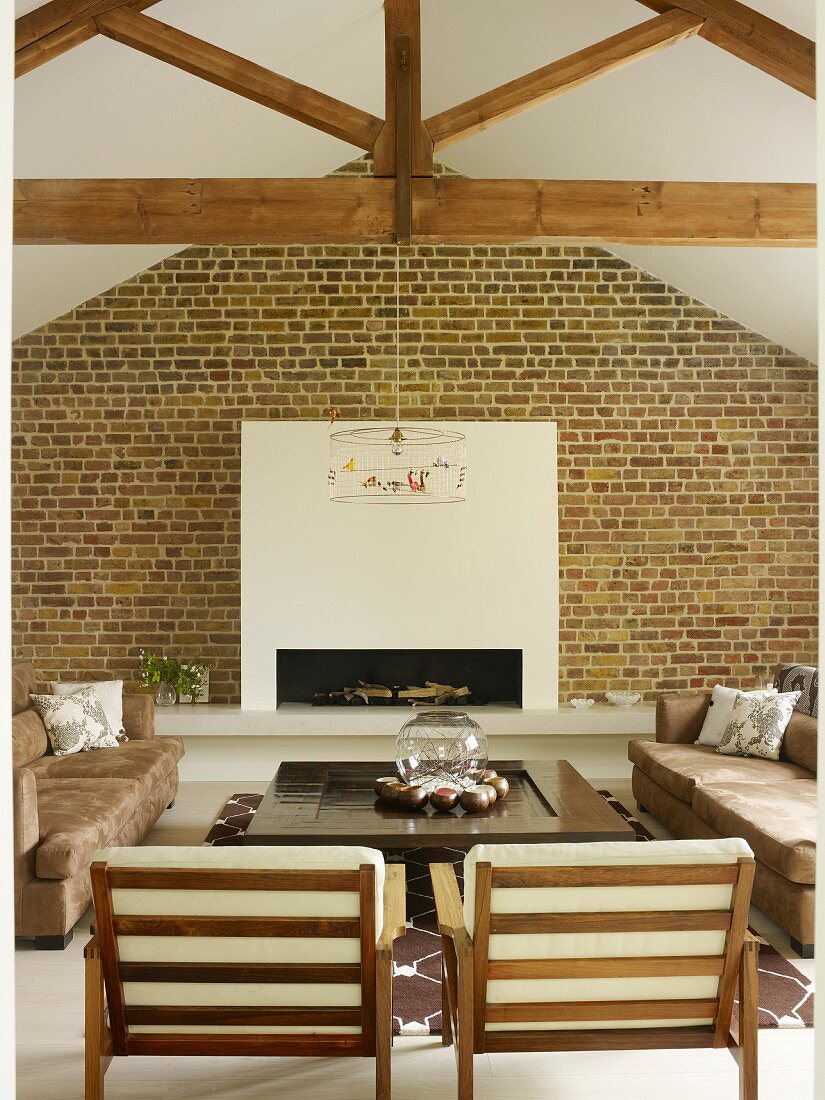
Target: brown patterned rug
785,994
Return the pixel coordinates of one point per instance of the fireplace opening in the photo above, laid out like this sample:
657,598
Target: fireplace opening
316,676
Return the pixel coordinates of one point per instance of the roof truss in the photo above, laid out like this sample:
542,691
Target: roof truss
402,201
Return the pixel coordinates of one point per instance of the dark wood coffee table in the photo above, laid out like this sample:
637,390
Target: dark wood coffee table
549,802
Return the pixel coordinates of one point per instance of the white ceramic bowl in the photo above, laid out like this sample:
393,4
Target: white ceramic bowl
582,704
622,698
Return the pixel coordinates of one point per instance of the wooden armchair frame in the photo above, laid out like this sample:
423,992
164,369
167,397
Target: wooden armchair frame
108,1017
466,967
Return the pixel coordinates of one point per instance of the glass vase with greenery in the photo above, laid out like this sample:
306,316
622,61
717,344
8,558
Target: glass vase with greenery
160,673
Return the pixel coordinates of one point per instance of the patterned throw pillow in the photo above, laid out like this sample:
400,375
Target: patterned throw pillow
720,708
757,726
75,723
804,679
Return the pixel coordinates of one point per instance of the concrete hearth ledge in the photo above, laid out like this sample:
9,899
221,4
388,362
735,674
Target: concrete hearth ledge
298,720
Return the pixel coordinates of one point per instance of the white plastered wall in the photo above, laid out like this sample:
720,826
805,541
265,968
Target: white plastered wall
480,574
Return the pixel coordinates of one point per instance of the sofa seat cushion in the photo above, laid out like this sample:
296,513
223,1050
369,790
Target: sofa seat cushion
778,821
680,769
77,817
146,762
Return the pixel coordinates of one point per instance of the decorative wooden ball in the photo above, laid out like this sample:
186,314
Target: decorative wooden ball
412,798
491,791
475,799
499,784
379,785
490,773
390,791
444,799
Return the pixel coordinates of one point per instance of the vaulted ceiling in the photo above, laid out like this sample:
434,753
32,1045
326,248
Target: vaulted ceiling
692,112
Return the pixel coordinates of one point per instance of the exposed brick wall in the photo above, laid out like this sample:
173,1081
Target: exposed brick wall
687,448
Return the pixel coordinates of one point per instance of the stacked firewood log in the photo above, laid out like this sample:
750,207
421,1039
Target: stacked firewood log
428,694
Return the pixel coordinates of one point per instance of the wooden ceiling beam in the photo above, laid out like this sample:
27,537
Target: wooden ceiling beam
559,77
58,26
615,212
446,210
753,37
243,77
333,210
402,18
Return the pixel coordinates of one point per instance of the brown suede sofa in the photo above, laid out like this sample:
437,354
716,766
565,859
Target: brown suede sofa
697,793
66,807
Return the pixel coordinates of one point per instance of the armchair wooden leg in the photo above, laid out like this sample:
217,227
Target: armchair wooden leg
457,973
383,1025
464,1038
98,1037
446,1023
749,1021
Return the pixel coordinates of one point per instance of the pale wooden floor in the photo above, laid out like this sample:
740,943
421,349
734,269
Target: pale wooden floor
50,1037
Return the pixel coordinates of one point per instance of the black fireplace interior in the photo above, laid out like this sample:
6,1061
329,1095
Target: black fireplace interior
491,673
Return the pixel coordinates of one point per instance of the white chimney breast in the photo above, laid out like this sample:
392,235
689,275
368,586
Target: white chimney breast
475,575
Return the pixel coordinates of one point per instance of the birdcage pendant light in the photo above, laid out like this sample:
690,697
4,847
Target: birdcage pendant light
405,464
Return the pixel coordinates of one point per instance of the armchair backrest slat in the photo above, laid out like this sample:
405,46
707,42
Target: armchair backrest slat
263,955
646,937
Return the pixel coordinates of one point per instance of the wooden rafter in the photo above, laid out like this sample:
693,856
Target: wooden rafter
447,210
402,17
561,76
753,37
58,26
243,77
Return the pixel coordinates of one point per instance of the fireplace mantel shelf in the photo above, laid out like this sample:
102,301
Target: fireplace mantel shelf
301,720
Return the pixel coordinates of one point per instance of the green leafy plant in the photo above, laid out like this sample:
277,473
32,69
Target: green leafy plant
186,677
190,677
155,669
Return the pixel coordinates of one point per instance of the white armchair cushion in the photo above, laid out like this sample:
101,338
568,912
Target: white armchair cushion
243,949
602,944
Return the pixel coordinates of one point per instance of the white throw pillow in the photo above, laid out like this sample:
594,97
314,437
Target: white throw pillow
757,726
75,723
109,692
719,712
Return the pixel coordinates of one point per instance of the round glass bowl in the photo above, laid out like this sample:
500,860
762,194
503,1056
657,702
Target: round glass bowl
441,748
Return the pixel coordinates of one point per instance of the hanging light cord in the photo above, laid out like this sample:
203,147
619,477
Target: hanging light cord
397,335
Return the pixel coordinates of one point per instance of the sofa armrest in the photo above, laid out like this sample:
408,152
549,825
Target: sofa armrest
139,717
26,829
679,716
